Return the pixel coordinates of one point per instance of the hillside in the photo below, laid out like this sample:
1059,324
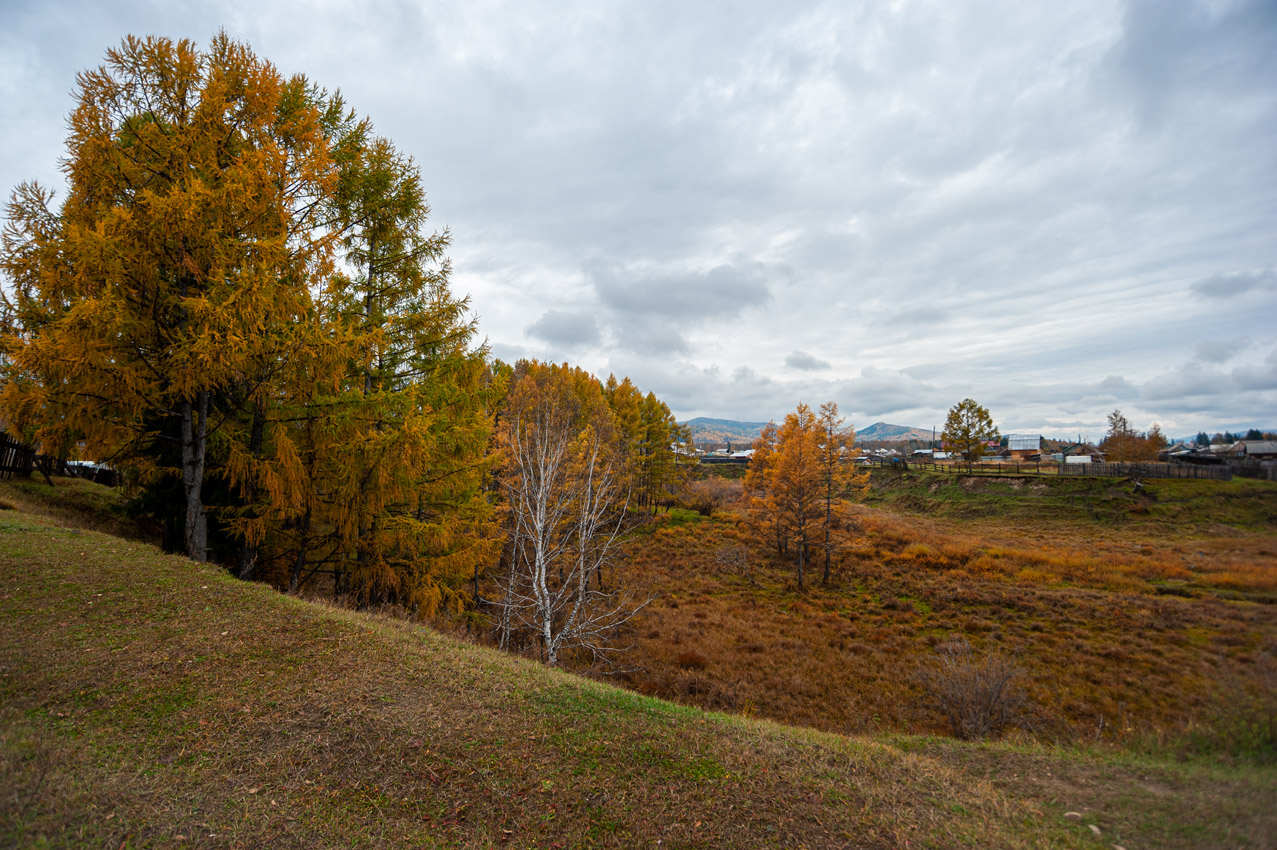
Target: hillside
722,430
882,432
146,701
705,430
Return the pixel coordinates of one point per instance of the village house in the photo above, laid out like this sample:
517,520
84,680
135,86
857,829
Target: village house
1024,446
1254,449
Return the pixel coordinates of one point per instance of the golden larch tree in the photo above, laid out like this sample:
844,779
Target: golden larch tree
838,473
187,241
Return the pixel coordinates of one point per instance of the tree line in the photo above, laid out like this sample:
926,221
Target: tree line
239,306
1124,444
1228,438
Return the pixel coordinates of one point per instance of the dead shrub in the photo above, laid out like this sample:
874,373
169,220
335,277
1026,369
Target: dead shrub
650,687
696,688
978,696
735,560
691,660
710,494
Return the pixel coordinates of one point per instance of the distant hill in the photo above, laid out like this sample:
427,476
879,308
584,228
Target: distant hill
706,430
884,432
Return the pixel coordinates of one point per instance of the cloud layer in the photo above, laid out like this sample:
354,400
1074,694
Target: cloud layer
1055,209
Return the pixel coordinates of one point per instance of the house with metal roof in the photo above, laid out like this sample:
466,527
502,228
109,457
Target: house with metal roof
1254,449
1024,446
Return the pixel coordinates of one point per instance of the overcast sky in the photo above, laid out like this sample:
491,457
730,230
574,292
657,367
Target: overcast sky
1057,209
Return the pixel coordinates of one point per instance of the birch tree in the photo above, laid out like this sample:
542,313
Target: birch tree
566,491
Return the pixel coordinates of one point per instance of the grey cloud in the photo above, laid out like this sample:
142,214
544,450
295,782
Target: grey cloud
741,394
1196,381
1116,385
1187,382
686,298
1188,50
509,353
1221,350
884,392
1238,283
650,336
928,315
648,310
805,362
1257,378
566,328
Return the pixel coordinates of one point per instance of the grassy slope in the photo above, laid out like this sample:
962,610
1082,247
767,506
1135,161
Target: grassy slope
147,701
1183,505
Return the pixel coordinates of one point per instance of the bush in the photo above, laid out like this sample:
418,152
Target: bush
710,494
979,696
691,660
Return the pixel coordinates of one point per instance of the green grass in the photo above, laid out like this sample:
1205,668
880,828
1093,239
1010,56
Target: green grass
1242,504
73,502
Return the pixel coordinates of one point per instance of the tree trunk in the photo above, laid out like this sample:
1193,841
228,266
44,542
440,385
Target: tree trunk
368,304
829,512
248,549
303,530
194,441
551,649
802,553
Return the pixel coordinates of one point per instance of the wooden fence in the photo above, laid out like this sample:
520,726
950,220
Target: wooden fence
1218,472
1084,470
15,458
1263,470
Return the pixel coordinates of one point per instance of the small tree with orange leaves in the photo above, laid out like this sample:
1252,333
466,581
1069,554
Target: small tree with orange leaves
787,487
838,474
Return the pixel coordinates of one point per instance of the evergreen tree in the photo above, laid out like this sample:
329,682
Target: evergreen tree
967,429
